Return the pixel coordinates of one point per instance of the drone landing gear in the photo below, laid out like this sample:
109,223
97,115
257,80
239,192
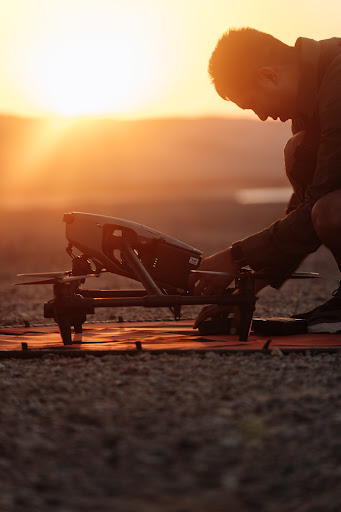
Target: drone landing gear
65,310
246,286
65,324
65,330
246,314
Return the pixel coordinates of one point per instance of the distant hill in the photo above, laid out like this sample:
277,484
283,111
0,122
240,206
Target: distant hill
88,157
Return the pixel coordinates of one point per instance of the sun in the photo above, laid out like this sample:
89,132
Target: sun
93,68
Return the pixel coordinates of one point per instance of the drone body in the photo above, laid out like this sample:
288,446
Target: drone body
105,240
159,262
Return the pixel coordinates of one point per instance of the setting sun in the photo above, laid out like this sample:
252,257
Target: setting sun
131,59
95,68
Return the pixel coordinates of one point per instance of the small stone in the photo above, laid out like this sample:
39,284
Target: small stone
231,441
229,482
210,355
276,352
253,426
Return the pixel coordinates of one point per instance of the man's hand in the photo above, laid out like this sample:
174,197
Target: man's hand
215,312
206,284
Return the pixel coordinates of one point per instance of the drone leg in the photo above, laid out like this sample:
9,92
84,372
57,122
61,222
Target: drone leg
246,313
246,286
64,326
77,322
78,326
177,311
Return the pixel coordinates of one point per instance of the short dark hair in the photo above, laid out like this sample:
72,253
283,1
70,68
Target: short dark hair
237,56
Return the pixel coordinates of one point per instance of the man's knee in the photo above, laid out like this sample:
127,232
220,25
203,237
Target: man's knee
326,215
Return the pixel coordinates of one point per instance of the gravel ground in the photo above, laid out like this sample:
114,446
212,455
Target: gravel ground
175,433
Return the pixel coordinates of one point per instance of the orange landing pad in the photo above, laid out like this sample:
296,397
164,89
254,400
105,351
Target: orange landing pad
169,336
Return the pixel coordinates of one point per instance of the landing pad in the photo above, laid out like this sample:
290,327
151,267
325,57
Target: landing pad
171,336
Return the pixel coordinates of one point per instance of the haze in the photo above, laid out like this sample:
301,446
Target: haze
92,73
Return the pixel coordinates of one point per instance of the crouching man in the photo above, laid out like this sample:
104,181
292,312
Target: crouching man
302,83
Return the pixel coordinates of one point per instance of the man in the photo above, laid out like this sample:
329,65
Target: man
301,83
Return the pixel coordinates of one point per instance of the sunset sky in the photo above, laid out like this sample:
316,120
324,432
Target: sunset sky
133,58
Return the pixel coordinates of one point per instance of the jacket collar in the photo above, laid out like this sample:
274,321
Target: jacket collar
309,52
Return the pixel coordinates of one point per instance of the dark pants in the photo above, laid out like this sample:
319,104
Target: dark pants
300,158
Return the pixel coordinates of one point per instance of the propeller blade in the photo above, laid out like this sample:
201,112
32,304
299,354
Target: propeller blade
214,273
294,275
67,279
58,279
260,275
55,280
304,275
45,281
46,274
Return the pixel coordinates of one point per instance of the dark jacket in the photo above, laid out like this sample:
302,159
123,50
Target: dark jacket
281,247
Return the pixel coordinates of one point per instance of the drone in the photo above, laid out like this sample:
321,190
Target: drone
160,263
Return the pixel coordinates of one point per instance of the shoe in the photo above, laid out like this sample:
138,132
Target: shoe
325,318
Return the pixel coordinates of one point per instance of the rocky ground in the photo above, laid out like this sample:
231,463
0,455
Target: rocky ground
175,433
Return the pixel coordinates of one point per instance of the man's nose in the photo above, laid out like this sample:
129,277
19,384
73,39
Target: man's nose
261,115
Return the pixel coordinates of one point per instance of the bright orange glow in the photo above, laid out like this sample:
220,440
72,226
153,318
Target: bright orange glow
133,58
95,68
29,153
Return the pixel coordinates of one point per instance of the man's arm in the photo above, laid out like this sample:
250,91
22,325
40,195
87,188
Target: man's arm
213,285
222,261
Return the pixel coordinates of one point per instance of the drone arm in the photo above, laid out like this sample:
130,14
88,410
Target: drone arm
139,269
259,285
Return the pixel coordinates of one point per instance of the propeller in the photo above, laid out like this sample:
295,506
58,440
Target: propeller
46,274
259,275
54,277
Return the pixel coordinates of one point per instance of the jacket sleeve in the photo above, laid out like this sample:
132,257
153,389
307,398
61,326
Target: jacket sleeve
281,247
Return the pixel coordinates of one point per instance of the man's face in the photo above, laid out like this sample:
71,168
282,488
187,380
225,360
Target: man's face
274,95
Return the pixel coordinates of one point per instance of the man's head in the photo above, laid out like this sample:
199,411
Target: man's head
256,71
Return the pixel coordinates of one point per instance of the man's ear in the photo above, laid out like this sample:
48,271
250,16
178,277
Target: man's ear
267,76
